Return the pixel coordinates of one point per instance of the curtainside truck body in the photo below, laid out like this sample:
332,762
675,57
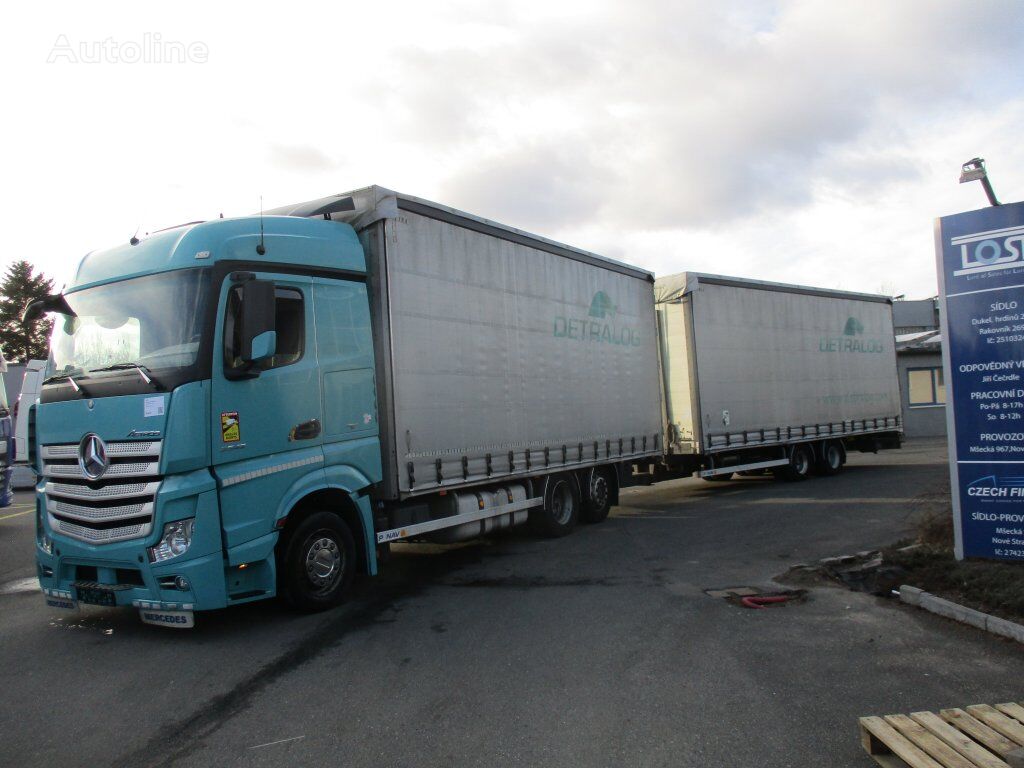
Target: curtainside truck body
761,376
251,407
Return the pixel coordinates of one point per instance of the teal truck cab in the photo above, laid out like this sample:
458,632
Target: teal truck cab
244,408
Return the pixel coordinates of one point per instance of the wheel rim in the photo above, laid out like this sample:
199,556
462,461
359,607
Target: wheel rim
561,503
325,562
800,462
599,491
834,457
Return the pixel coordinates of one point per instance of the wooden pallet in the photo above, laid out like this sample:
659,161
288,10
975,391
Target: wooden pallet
979,736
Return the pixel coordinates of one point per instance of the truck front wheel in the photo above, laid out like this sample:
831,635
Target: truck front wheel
561,509
318,563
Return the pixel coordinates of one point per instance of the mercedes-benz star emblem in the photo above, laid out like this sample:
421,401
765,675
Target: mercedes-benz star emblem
92,456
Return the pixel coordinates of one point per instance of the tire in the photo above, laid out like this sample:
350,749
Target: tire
830,460
799,467
597,496
561,509
318,563
719,478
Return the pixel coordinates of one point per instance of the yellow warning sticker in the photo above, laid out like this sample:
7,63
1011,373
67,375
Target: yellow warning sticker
230,429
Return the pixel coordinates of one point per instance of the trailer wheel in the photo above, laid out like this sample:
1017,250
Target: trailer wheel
799,466
830,459
561,509
318,563
597,501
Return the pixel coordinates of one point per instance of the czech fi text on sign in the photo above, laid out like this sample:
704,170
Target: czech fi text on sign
981,287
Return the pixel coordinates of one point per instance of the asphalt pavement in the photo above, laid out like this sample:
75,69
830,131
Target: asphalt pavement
598,649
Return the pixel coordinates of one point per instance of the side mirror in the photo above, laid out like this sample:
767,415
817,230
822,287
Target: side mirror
53,303
257,322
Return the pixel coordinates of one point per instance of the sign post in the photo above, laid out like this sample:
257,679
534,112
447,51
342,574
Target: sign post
981,289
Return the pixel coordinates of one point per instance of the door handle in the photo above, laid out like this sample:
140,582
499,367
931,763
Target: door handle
307,430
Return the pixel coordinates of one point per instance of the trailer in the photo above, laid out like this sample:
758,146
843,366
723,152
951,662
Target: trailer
760,376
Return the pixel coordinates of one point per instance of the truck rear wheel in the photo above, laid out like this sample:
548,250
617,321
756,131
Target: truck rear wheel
597,495
830,459
799,466
561,509
318,563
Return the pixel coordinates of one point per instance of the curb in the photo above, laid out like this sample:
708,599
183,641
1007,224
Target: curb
914,596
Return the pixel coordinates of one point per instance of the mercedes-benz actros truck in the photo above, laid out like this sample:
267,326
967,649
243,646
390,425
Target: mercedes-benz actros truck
252,407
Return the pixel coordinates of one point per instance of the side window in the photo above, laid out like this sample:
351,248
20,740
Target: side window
290,322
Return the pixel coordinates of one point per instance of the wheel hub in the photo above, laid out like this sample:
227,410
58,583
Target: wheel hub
599,491
323,562
834,458
561,503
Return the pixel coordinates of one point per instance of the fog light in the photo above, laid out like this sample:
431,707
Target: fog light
42,538
182,583
175,541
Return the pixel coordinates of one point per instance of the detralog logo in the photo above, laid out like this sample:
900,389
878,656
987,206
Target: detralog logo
601,306
989,251
849,342
599,327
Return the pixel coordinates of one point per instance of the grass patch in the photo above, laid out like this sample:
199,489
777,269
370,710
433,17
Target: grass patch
990,586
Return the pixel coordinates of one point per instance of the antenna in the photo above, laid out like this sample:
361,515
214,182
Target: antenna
261,249
134,240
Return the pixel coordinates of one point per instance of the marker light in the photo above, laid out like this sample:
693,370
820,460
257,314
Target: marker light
175,541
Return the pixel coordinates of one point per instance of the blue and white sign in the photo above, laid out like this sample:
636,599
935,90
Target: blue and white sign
981,287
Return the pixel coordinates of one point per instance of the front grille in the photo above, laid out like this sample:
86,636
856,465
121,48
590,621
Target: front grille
118,506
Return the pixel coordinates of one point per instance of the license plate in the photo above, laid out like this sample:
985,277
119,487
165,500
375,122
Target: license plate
62,602
96,596
173,619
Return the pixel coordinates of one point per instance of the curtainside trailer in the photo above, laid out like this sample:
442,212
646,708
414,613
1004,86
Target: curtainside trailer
761,376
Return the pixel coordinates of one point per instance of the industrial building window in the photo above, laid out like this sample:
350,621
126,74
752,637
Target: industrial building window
925,386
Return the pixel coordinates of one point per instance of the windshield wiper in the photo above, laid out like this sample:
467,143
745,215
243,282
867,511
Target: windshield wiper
144,372
61,376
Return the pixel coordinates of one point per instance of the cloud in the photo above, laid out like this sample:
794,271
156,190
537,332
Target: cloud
300,157
691,114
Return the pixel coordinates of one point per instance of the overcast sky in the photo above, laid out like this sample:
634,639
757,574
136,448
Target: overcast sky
806,142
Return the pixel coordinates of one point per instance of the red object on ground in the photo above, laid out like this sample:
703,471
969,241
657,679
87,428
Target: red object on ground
760,601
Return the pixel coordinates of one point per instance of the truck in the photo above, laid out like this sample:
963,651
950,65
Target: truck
769,377
31,383
260,406
255,407
6,442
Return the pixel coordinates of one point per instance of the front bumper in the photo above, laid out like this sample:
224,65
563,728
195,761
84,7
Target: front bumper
124,569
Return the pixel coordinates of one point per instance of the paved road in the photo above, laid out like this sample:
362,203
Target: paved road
598,649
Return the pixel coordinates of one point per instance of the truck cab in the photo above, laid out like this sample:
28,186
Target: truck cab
211,388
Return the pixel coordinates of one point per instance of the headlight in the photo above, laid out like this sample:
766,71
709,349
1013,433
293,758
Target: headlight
176,539
42,538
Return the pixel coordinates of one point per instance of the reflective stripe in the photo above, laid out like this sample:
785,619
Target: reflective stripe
229,481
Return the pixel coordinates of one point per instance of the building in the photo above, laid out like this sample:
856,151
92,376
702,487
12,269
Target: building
919,361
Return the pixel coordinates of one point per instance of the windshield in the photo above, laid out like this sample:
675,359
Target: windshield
153,321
